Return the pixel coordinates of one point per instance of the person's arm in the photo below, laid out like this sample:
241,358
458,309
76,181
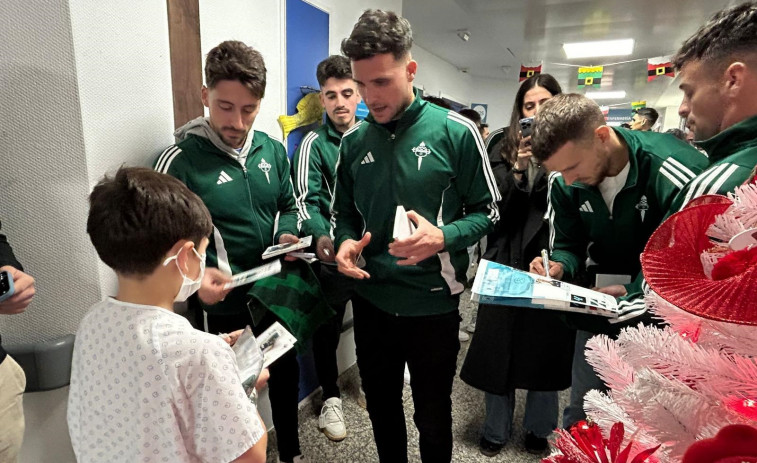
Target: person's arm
287,204
477,189
256,453
566,236
23,283
216,399
308,185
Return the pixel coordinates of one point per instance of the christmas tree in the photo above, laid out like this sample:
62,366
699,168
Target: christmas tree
675,384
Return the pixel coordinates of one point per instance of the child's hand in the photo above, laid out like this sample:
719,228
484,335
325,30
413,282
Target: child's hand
231,338
211,291
262,379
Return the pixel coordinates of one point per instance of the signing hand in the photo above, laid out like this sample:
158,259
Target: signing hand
211,292
555,268
23,292
426,241
347,255
324,249
288,238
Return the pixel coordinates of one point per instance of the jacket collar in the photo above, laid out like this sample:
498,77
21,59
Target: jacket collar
731,140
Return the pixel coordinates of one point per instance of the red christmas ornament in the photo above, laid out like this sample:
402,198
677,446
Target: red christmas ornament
736,443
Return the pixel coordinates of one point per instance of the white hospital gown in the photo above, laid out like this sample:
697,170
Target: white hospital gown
147,387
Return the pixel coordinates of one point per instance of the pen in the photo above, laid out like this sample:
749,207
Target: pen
545,261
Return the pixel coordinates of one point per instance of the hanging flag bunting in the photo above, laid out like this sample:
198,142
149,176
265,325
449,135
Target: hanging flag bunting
590,76
659,66
638,104
526,72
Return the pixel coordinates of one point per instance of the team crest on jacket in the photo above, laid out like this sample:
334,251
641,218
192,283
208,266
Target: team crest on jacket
265,167
421,151
642,207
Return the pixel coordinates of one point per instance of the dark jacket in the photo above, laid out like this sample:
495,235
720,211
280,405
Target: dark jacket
6,258
518,347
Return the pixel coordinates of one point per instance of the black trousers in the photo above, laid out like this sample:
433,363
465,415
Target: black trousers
338,289
283,385
429,345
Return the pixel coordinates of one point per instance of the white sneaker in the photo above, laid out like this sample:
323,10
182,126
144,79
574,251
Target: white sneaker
471,326
462,336
407,374
331,421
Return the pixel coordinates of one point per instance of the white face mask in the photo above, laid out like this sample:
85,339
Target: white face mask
188,286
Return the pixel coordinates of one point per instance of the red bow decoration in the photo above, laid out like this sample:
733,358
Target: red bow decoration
584,443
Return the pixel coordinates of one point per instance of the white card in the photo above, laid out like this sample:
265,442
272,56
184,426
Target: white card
278,249
403,227
271,268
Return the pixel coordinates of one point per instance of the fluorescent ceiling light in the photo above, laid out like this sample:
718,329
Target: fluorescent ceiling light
620,47
606,95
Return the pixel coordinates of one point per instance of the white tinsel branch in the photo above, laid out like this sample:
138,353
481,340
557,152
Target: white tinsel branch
729,337
603,356
742,215
675,357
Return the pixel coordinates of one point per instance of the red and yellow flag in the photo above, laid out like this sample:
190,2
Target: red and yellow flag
526,72
660,66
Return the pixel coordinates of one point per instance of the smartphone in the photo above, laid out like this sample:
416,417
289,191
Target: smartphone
6,285
525,126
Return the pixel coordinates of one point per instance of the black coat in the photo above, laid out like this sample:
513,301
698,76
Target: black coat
518,348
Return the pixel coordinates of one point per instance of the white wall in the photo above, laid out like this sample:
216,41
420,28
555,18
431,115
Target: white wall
86,87
437,77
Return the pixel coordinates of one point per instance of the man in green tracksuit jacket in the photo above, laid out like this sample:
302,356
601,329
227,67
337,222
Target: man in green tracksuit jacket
609,190
717,67
432,162
314,173
243,177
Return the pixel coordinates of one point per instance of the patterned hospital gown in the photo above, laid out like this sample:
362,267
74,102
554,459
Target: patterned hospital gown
147,387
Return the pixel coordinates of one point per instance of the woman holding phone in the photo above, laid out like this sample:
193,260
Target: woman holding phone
520,348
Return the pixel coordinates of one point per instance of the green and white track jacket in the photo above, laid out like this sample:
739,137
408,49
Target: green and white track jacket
314,175
583,229
733,155
243,200
435,164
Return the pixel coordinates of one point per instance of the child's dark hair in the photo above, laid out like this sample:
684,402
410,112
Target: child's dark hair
136,217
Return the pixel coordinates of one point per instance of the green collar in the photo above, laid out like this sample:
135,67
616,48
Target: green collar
409,116
731,140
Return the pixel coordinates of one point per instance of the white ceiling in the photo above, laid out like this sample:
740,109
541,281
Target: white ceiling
506,33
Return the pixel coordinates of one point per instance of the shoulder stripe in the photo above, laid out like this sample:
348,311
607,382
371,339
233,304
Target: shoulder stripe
549,215
352,129
676,171
486,166
302,170
681,167
671,177
166,158
722,179
697,186
490,138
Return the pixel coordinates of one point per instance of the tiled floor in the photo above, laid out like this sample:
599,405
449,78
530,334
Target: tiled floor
358,447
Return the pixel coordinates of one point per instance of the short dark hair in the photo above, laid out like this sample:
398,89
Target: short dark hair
510,143
649,114
136,217
564,118
729,32
336,66
439,101
473,115
233,60
377,32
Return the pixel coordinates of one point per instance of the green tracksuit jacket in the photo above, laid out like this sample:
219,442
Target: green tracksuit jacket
314,165
435,164
733,155
243,202
582,227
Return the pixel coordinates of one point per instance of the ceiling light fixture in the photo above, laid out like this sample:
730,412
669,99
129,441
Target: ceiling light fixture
615,95
620,47
464,35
